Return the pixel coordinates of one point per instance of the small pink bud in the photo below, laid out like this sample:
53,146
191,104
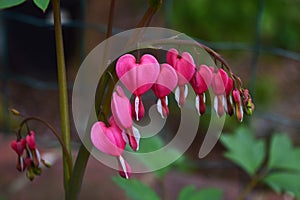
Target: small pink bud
238,104
229,86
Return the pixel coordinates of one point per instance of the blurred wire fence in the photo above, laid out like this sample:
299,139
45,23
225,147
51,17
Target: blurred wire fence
80,25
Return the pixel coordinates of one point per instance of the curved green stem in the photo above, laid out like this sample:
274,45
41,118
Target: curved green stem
48,125
62,83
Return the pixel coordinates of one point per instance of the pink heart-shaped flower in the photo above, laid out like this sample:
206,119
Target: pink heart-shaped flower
137,77
166,81
109,140
18,146
219,82
201,79
183,64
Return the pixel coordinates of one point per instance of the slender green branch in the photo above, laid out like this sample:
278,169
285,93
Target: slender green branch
252,184
110,19
56,134
62,83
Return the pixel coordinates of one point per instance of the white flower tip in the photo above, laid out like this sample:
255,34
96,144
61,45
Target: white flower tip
159,108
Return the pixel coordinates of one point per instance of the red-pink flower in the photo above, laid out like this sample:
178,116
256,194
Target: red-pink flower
238,104
138,77
19,146
228,104
185,67
219,83
200,83
34,152
165,83
121,110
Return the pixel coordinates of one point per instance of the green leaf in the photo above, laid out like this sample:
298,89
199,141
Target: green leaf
155,143
10,3
284,182
42,4
244,150
282,154
190,193
135,189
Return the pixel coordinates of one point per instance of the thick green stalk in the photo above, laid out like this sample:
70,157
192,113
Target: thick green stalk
62,83
78,173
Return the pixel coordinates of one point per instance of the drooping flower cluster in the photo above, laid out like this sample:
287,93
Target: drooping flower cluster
146,73
29,158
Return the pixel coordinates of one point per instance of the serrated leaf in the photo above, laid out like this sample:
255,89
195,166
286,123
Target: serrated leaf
42,4
244,150
135,189
284,182
190,193
10,3
282,154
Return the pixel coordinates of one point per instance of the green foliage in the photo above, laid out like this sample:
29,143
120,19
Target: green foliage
10,3
283,165
42,4
155,143
135,189
244,150
282,154
282,169
191,193
236,21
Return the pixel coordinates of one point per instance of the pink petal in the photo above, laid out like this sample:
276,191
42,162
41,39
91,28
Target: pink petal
137,77
166,81
201,79
219,82
18,146
229,86
121,109
30,139
184,65
107,139
172,55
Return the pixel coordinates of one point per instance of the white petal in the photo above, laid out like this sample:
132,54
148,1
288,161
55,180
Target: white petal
216,104
137,136
125,137
186,91
123,165
159,108
136,107
197,104
204,97
167,101
177,95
